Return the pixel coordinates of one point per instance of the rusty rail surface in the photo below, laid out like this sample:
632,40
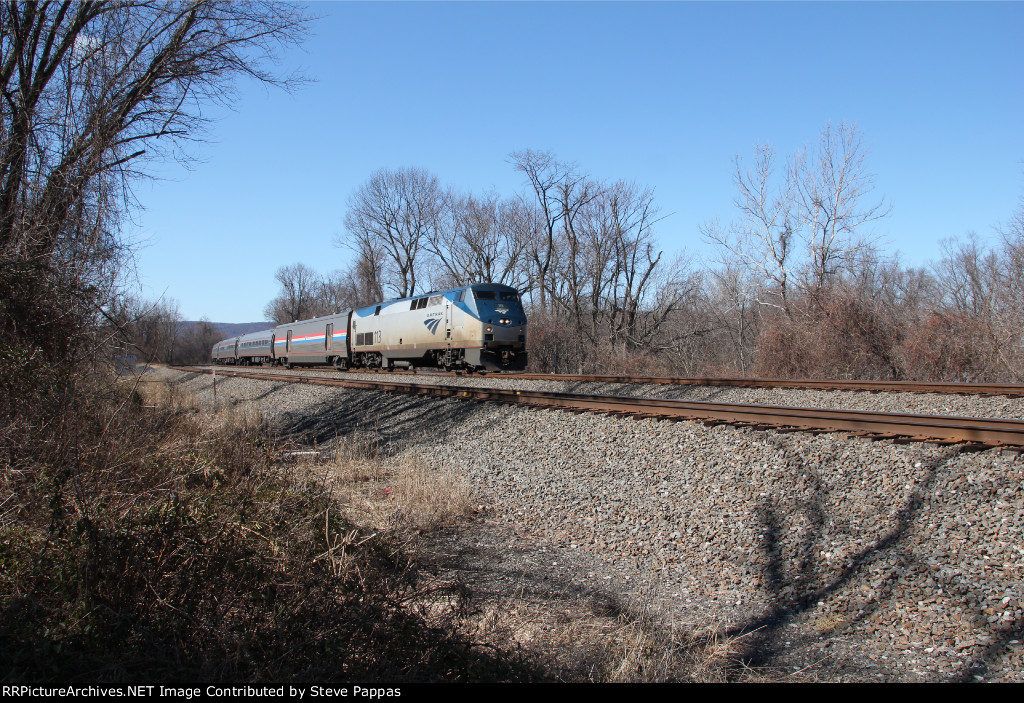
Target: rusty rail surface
1007,389
1010,389
879,425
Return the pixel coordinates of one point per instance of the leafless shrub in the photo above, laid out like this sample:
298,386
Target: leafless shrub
982,291
944,347
832,334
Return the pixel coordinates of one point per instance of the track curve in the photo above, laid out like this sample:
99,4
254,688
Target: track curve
983,432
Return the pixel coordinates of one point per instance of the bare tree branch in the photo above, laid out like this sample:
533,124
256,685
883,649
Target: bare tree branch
90,93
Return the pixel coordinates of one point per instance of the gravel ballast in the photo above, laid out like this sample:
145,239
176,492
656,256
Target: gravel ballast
924,403
871,560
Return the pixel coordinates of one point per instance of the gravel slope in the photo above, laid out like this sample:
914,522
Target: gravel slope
869,560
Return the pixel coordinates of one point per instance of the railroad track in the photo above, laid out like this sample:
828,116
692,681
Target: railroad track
1013,390
1007,389
980,432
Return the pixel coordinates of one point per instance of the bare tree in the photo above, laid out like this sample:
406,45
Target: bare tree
559,191
1012,236
762,241
642,292
194,345
89,91
155,332
612,269
982,287
478,242
366,273
576,193
149,329
299,299
526,226
336,292
833,189
803,227
1010,314
391,218
732,319
968,274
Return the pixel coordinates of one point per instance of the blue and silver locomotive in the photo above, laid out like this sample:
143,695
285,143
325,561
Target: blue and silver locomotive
477,327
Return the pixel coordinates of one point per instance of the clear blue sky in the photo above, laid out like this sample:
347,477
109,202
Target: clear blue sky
664,94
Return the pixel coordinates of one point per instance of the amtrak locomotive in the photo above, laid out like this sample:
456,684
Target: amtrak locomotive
477,327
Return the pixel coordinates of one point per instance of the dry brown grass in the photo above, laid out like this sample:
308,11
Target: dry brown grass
402,493
579,642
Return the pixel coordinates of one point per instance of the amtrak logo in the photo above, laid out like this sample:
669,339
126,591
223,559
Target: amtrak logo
501,308
432,324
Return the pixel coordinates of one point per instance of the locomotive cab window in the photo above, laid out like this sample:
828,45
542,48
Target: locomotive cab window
483,294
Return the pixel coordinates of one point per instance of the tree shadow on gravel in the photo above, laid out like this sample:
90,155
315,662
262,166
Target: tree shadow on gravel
798,580
800,588
395,418
666,391
582,630
516,597
1005,635
275,388
203,383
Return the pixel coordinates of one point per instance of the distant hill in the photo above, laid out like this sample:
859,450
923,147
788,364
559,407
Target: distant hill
229,329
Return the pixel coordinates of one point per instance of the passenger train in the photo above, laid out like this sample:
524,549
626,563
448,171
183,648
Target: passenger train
476,327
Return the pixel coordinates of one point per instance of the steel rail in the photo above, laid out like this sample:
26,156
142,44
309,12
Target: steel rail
1007,389
1010,389
958,388
983,431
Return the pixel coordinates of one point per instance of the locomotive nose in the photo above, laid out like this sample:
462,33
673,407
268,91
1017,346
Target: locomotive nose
496,335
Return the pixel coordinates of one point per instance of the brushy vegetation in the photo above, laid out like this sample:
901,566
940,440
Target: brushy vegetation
138,542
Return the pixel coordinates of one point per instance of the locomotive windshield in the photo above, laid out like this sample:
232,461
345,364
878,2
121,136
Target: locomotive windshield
510,296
